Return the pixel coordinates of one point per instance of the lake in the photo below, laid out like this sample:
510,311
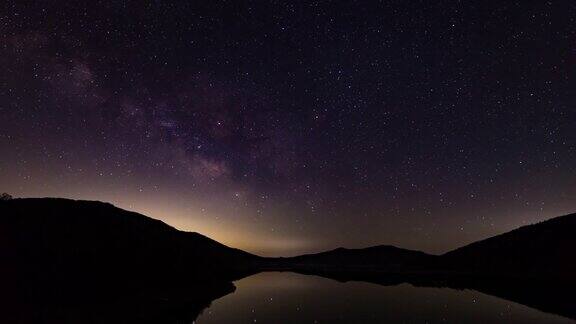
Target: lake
284,297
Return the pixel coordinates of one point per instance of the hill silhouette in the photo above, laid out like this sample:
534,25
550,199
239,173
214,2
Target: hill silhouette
543,250
532,265
62,258
64,251
98,237
376,258
540,251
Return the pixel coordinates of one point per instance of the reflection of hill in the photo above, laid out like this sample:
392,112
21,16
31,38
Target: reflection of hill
71,305
545,295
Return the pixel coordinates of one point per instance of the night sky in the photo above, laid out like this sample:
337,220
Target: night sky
291,127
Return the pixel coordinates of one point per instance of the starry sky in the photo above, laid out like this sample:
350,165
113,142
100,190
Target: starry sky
284,127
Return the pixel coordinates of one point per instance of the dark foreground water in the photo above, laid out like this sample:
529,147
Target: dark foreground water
283,297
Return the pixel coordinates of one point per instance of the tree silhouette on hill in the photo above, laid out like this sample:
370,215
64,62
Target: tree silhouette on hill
5,196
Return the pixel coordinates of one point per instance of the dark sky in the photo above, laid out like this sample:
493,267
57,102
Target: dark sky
289,127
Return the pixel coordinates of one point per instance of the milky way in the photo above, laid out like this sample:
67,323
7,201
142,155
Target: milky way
283,127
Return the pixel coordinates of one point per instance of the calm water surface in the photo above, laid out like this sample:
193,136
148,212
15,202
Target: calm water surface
283,297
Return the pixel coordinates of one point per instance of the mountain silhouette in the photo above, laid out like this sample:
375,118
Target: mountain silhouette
533,265
62,259
66,252
98,237
376,258
539,251
542,250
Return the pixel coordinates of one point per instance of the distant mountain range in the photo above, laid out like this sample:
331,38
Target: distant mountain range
56,250
62,235
377,258
539,251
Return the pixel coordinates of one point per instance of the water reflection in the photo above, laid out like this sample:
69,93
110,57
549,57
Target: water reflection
282,297
286,297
